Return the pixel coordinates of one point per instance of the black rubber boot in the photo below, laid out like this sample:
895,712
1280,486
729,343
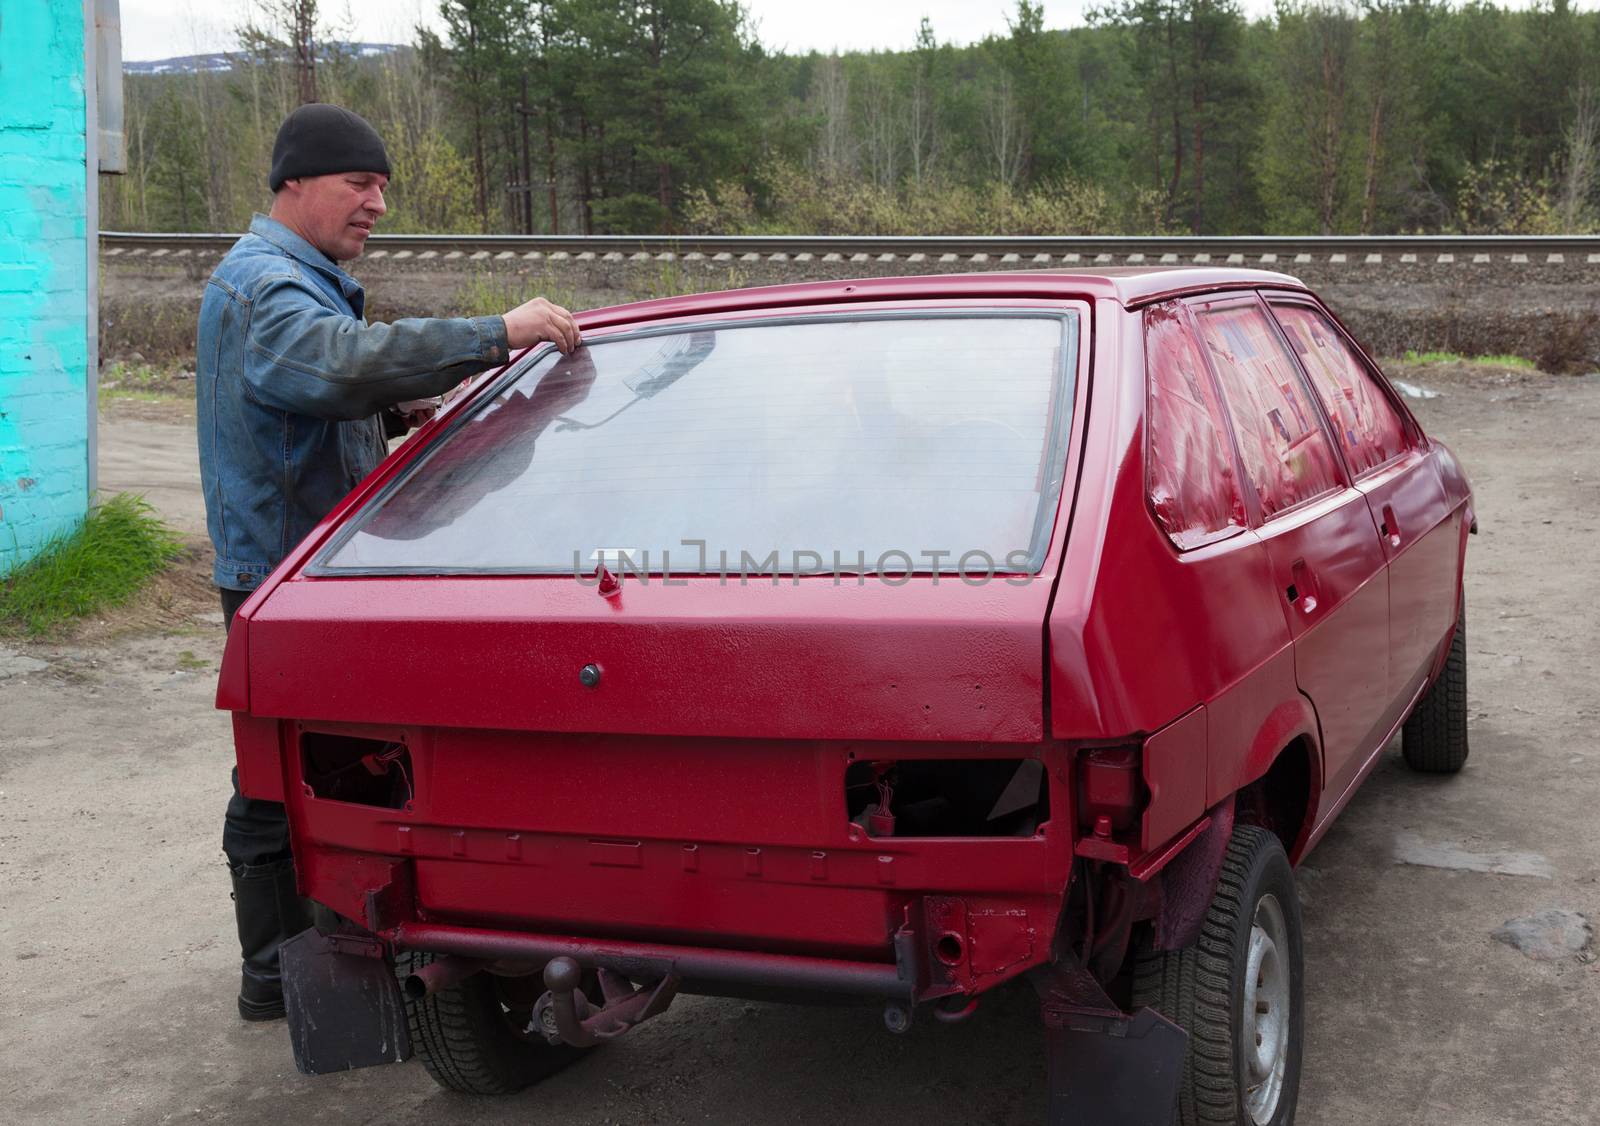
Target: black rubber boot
268,910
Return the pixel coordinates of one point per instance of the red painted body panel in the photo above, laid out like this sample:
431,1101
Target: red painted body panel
696,798
258,749
717,842
1139,633
1125,286
1329,551
1175,770
795,660
1421,542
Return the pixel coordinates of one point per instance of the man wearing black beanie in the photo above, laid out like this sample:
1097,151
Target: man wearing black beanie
296,395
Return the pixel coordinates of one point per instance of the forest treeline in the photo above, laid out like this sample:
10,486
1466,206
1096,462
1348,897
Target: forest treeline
645,116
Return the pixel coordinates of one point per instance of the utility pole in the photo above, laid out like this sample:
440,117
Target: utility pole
525,188
305,48
549,121
527,161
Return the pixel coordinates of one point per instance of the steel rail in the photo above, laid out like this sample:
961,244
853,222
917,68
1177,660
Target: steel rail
932,247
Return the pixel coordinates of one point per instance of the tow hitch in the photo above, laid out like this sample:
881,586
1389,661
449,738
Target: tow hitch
566,1015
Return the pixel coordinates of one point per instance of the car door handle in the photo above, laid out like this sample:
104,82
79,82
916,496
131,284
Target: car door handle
1389,529
1302,590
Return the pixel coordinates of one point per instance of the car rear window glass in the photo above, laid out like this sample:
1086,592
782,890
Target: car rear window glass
1281,441
889,443
1367,426
1189,468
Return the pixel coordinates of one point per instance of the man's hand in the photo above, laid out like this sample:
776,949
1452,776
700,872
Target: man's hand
538,320
417,417
417,411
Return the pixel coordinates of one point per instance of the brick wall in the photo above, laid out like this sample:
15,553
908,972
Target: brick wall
44,279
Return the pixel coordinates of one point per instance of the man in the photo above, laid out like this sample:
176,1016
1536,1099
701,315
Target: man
295,395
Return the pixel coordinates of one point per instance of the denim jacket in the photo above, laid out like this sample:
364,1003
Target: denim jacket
289,380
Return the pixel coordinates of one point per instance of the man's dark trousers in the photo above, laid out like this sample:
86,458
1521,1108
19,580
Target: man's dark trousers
266,906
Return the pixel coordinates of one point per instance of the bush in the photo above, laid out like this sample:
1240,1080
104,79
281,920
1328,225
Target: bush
790,199
630,214
1494,199
1570,343
432,188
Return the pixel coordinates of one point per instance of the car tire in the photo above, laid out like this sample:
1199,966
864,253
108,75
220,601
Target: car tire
1434,739
472,1037
1237,992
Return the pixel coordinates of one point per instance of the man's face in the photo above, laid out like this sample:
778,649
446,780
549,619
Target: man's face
336,213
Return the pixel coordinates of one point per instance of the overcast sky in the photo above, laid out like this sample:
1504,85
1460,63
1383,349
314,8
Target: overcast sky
158,29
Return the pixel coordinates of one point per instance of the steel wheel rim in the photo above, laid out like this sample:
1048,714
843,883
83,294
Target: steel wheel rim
1264,1044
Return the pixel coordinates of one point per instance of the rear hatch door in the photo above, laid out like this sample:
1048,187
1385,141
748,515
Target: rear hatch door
830,525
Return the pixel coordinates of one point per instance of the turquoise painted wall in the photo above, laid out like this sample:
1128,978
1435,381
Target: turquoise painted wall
44,275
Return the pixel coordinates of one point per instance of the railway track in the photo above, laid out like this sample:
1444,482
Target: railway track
1032,250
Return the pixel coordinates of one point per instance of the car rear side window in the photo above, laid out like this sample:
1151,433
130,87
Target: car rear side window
1281,441
1189,467
866,443
1368,428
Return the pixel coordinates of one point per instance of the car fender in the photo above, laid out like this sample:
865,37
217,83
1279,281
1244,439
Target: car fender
1469,525
1292,720
1187,882
1459,493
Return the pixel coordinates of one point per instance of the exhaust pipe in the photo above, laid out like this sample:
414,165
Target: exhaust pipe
444,972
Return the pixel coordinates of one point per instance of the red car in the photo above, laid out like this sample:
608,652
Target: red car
887,639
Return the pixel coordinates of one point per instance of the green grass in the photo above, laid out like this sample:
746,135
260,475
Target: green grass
134,376
118,547
487,294
147,383
135,395
187,660
665,279
672,279
1457,358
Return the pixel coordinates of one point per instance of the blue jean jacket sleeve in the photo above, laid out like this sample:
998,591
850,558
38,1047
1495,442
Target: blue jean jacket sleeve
305,357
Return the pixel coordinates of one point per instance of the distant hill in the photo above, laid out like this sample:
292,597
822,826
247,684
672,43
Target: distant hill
223,60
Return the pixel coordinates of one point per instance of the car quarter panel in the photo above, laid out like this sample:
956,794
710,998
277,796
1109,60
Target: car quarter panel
1139,632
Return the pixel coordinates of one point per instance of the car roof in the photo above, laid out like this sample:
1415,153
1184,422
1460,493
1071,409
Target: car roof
1131,286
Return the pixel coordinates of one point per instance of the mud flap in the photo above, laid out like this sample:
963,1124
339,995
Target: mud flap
1106,1069
343,1002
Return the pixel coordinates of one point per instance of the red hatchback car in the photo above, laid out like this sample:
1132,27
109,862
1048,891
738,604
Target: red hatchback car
888,639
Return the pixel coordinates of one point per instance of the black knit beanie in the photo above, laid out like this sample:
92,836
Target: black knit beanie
319,139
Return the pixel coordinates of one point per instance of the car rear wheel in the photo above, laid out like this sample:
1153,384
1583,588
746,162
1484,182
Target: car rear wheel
474,1037
1434,739
1237,992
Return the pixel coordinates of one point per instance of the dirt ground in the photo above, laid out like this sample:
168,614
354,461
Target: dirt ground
120,968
